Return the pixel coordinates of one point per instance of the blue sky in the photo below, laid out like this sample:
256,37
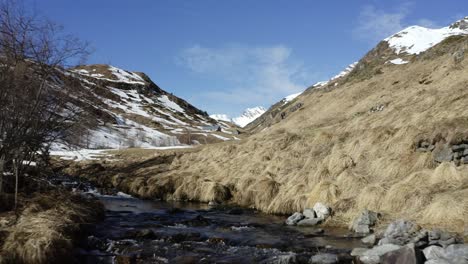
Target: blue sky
224,56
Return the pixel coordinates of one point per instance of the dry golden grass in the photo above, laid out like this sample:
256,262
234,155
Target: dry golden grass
336,151
45,229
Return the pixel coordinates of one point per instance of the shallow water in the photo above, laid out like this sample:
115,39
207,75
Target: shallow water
141,231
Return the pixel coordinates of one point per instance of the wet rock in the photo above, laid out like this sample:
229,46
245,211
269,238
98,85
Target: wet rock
442,153
213,203
324,258
197,221
322,211
309,213
371,239
407,254
294,219
373,256
310,222
363,222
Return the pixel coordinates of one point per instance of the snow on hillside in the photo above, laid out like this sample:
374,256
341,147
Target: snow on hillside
221,117
343,73
112,74
248,116
416,39
291,97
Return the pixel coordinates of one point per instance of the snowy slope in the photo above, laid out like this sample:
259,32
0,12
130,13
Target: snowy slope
416,39
249,115
126,109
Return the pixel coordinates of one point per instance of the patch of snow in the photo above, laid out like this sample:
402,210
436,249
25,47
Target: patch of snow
221,117
220,137
398,61
291,97
343,73
416,39
170,104
125,76
79,155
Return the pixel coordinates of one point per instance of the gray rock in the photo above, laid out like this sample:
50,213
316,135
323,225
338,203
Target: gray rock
324,258
402,232
437,261
453,254
433,252
294,219
309,213
356,252
457,253
363,222
407,254
322,211
443,153
465,152
438,237
310,222
460,147
373,255
371,239
464,160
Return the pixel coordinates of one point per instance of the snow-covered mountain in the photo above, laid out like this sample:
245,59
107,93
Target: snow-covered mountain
249,115
417,39
127,109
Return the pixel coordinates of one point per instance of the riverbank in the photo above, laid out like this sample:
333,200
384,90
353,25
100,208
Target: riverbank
46,227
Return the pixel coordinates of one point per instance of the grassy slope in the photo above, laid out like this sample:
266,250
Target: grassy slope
334,150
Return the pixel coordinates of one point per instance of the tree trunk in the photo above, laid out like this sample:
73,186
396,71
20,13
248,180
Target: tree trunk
15,168
2,162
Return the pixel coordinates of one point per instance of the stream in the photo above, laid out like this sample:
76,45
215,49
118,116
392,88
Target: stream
143,231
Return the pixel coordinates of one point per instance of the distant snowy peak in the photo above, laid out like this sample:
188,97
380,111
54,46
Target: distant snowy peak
248,116
417,39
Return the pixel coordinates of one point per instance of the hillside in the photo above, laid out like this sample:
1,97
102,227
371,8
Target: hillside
123,109
388,136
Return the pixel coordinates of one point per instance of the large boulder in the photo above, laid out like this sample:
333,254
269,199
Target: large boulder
373,255
452,254
309,213
438,237
370,239
407,254
294,218
363,222
321,210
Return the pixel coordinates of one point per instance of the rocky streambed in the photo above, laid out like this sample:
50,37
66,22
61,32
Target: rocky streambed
142,231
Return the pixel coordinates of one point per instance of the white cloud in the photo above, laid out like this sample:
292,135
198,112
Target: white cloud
257,75
375,25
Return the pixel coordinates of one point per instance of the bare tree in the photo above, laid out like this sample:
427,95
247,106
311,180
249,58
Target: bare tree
35,94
